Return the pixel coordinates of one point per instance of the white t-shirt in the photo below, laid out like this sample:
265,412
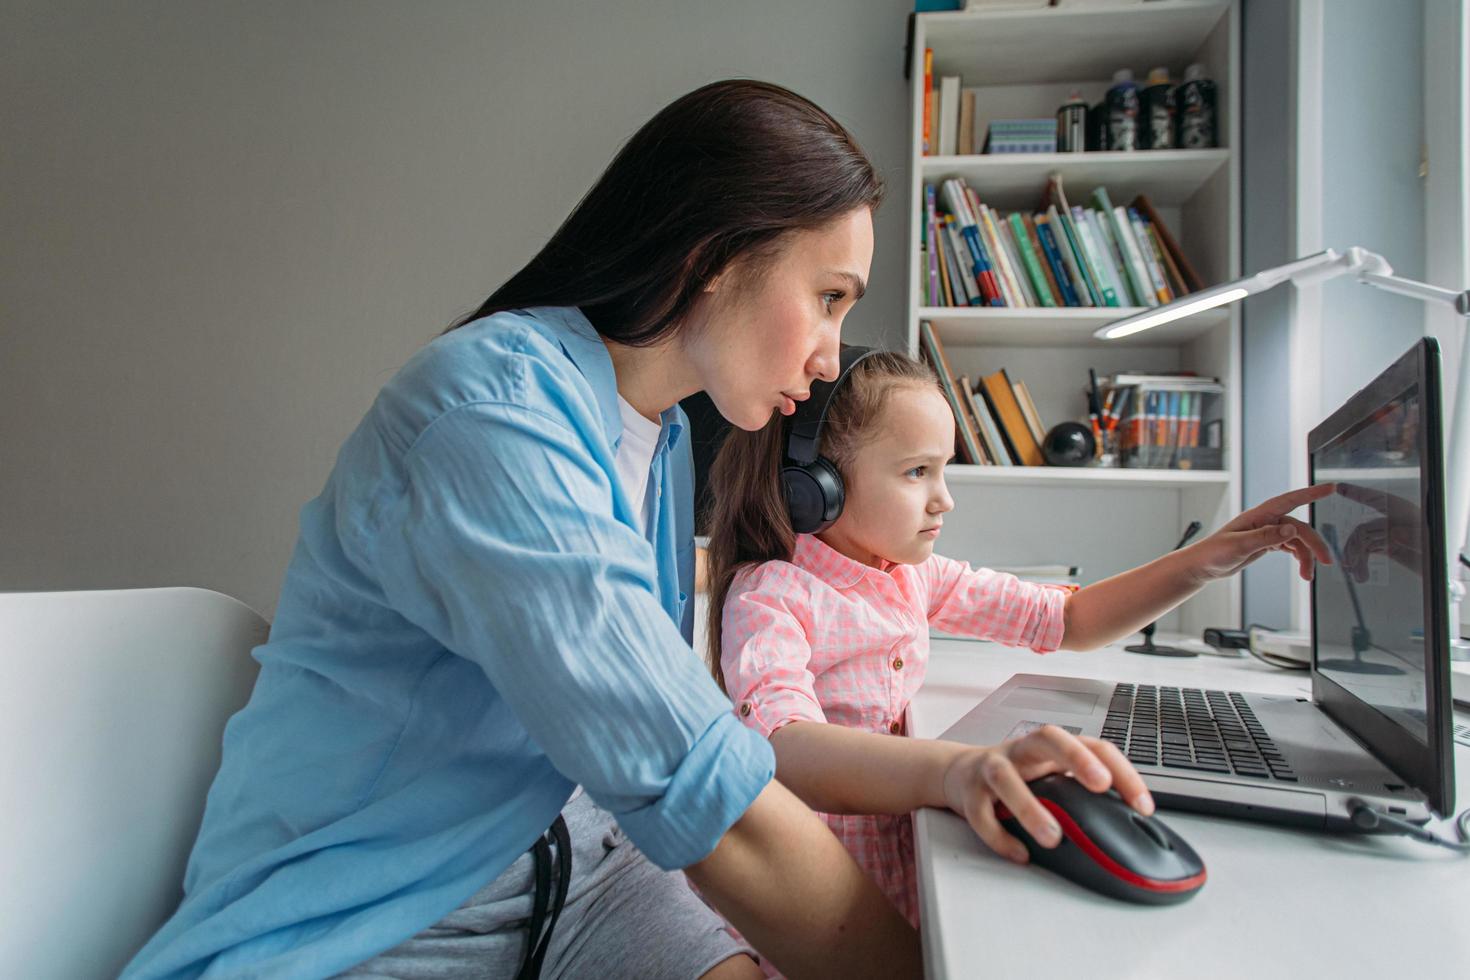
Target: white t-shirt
635,457
635,460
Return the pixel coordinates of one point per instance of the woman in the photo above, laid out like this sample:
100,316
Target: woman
487,608
486,614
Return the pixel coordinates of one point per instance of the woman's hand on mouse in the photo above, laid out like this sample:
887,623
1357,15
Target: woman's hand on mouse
979,778
1265,527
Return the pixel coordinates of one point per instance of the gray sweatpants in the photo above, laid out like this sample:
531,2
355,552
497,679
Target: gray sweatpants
624,917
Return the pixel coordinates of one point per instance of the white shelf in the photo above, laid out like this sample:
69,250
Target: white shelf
1083,476
1016,180
991,326
1023,64
1077,43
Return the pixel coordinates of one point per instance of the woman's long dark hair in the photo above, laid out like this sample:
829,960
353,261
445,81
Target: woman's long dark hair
721,173
748,520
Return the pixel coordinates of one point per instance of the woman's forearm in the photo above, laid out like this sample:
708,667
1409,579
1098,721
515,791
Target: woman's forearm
1127,602
789,886
838,770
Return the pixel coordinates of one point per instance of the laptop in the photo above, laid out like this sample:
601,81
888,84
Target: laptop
1378,726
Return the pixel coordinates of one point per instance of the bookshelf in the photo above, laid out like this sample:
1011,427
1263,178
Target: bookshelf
1024,63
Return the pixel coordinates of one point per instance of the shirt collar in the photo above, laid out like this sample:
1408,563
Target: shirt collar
580,339
830,565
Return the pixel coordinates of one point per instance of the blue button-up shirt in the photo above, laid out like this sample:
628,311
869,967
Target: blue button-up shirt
472,623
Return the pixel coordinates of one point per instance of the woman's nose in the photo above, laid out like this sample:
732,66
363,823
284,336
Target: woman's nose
826,360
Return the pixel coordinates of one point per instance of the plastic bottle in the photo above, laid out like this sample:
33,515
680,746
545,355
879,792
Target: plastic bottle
1121,103
1194,104
1156,110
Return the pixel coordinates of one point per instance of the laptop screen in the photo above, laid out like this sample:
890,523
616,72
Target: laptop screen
1380,610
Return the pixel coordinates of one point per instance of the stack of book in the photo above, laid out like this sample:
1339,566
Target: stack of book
1062,255
996,420
1021,136
949,113
1165,421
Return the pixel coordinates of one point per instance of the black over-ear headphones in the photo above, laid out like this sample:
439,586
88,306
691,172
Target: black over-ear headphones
810,481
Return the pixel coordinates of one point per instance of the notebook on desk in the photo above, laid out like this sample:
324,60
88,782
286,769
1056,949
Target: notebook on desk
1377,728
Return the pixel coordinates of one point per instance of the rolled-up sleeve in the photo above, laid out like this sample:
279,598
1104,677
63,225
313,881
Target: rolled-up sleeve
503,545
992,605
765,654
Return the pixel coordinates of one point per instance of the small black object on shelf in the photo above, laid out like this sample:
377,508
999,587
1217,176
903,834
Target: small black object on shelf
1068,444
1148,646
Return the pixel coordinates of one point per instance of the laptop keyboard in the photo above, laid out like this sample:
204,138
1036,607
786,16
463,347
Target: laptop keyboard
1190,728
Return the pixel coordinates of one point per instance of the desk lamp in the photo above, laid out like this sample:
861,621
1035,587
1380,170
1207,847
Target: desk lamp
1372,269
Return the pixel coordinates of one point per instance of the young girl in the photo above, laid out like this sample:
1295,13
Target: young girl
833,627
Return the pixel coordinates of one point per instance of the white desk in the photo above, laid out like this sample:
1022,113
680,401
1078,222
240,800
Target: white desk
1278,902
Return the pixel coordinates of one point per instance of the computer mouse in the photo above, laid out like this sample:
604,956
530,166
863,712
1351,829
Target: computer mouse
1109,847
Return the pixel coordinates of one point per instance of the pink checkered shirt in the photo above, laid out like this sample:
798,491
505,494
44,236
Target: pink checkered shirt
826,638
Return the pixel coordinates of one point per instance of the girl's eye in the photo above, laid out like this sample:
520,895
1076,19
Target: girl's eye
829,298
917,472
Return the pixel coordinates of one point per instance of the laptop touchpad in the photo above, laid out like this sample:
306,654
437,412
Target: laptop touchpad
1047,699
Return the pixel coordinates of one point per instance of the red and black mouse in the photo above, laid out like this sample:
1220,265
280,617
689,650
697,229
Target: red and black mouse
1109,847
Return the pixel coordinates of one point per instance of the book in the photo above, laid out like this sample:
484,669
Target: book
928,94
1028,409
1000,264
1051,282
1107,232
1052,248
955,294
1033,264
962,263
1008,449
1012,421
949,113
1115,293
1072,256
1191,278
956,195
1171,270
1137,271
1009,260
962,389
986,428
965,142
935,293
1150,261
969,451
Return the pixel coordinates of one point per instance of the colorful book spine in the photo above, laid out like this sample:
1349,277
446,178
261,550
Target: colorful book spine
1016,295
1032,263
936,294
959,204
928,91
1150,261
1049,246
962,265
1072,255
1114,291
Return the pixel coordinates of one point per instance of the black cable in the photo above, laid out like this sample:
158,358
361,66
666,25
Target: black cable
1366,818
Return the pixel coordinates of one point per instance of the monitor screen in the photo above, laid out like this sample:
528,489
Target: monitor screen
1379,611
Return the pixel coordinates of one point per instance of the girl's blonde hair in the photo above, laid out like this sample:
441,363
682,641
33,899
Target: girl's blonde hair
748,520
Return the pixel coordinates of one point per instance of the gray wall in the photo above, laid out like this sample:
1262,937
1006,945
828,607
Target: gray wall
1371,195
1266,240
225,227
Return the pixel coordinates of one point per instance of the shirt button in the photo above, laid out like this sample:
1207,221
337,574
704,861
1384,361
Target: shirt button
745,710
894,727
898,663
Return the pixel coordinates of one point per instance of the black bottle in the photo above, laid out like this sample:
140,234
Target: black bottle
1194,105
1122,111
1156,112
